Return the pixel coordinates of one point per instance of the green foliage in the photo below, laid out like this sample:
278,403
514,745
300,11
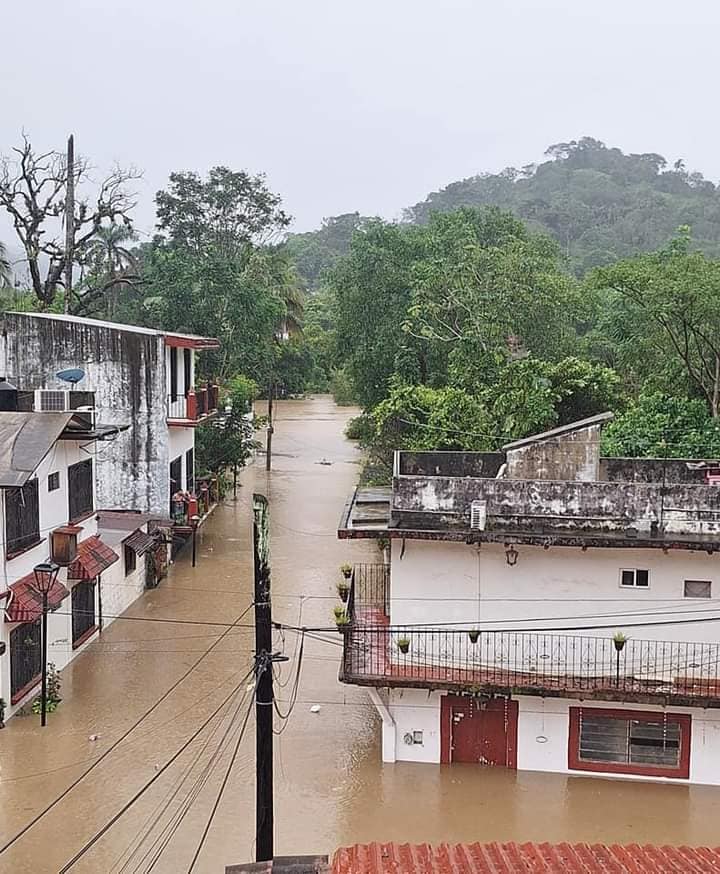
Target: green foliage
315,252
228,441
54,682
660,426
342,389
598,203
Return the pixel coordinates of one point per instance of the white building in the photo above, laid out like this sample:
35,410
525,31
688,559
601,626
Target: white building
48,513
489,636
131,375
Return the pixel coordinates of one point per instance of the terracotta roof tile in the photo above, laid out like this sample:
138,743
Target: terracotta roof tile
25,602
511,858
93,557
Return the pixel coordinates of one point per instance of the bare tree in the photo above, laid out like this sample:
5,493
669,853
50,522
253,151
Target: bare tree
32,190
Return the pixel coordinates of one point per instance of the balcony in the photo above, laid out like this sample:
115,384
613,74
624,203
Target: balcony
523,663
198,405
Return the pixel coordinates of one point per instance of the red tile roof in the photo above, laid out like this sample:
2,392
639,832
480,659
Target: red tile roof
526,858
25,602
93,557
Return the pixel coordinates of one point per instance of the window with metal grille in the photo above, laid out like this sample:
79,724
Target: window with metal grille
80,490
634,578
54,481
83,610
25,659
629,741
53,401
130,560
22,518
697,589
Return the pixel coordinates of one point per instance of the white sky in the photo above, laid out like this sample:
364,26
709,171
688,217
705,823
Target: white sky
356,105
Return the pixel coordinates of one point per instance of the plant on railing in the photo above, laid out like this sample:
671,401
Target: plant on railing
343,588
619,639
346,570
342,620
53,692
474,635
403,644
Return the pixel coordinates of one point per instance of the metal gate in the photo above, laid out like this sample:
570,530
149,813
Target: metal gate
25,658
479,730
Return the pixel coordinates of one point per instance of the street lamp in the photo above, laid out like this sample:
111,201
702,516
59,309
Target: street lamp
194,520
46,575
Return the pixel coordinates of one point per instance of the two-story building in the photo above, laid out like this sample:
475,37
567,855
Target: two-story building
543,608
137,376
47,511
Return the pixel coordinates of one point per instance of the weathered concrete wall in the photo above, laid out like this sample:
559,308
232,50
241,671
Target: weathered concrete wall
574,455
531,505
655,470
485,464
126,370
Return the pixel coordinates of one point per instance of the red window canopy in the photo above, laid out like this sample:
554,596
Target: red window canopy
25,602
93,557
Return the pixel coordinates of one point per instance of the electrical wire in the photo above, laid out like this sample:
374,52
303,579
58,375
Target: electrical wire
294,691
9,843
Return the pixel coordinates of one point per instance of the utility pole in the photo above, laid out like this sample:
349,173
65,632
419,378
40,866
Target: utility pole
69,219
270,429
264,684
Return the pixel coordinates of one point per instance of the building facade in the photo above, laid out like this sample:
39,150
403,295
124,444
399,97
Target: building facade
136,376
543,608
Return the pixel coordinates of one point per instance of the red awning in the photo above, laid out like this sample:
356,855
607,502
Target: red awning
25,602
93,557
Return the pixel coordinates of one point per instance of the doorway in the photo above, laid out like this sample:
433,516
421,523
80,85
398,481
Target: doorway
481,731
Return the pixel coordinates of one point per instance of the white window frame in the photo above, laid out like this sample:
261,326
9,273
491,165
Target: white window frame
697,597
634,572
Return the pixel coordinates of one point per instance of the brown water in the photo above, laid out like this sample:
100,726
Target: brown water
331,788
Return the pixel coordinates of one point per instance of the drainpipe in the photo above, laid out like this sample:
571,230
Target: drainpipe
388,726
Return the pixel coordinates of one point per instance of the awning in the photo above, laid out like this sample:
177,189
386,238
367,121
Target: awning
25,602
140,542
93,557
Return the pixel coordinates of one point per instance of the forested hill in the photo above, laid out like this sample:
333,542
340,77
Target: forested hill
599,203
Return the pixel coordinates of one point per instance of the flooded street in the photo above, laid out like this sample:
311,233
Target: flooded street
331,788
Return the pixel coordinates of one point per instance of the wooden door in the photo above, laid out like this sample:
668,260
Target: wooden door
479,731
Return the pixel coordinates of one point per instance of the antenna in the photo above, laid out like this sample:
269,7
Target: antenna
73,375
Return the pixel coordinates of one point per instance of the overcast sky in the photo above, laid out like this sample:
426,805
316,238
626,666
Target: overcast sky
357,105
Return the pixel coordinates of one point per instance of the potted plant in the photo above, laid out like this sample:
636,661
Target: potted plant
343,588
2,713
342,620
474,634
338,610
346,570
619,639
403,644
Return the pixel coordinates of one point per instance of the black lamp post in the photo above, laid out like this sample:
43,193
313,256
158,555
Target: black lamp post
194,525
46,575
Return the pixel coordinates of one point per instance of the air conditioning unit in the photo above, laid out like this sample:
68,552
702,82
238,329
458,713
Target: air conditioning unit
478,515
49,401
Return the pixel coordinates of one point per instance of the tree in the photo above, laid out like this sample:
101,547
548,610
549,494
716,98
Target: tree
667,307
108,267
225,212
5,269
32,191
229,441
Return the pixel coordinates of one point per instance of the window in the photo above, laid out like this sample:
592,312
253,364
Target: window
83,611
187,370
697,589
629,742
22,518
25,659
80,490
190,470
54,481
130,560
634,578
173,374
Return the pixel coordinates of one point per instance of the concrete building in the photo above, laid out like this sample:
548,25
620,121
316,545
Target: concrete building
131,375
543,608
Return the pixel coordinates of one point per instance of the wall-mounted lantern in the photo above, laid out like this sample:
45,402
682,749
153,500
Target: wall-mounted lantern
511,554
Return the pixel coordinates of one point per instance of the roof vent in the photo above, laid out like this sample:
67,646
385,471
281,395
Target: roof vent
478,515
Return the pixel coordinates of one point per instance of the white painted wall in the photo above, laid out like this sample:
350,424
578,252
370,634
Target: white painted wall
414,710
441,582
180,440
543,726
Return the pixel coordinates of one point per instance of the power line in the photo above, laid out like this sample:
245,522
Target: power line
122,737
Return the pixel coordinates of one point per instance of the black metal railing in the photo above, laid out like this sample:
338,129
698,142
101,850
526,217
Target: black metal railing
369,591
530,662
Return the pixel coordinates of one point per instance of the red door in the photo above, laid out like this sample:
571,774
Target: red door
479,731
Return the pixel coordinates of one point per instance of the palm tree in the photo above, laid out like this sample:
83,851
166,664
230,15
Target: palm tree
110,262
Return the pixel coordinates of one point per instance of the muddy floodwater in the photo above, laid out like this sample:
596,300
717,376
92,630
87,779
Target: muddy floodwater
331,788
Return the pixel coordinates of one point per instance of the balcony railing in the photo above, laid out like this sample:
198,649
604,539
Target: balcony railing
197,404
533,663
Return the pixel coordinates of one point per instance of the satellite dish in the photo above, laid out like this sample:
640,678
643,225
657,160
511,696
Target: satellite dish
74,375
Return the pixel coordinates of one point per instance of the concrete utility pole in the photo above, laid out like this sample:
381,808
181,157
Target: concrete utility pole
69,219
264,819
270,429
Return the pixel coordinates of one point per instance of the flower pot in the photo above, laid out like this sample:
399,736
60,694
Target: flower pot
619,645
473,635
344,593
403,646
347,574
